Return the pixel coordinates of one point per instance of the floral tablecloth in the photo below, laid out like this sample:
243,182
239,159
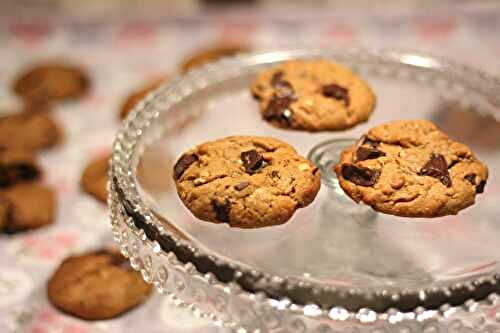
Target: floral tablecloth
120,52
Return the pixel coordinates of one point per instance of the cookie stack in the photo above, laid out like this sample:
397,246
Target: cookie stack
404,168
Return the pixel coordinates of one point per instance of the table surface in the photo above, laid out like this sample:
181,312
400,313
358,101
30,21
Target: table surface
120,53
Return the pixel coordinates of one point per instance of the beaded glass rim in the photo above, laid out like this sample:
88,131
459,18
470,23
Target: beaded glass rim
129,144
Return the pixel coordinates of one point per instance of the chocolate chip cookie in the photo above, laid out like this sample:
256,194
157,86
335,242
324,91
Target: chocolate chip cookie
52,82
313,96
28,130
94,179
212,54
96,286
411,168
17,165
245,181
136,96
5,209
29,206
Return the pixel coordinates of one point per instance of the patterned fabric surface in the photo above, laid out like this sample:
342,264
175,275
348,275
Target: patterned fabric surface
119,55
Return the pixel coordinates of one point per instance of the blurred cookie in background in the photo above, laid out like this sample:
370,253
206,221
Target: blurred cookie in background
137,95
478,130
52,81
212,54
94,179
97,286
29,130
4,213
28,206
17,165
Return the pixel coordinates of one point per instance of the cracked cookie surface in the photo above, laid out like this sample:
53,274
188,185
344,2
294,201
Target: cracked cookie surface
245,181
96,286
313,96
411,168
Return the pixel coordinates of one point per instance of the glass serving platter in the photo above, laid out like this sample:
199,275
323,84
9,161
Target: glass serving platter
335,262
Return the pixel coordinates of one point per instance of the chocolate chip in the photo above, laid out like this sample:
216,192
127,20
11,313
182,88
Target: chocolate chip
359,175
241,186
252,161
221,210
275,174
278,109
436,167
480,187
471,178
365,153
337,92
183,163
13,173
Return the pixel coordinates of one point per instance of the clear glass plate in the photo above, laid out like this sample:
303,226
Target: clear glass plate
326,242
333,244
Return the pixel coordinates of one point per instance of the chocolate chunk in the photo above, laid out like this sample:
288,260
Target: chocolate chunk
241,186
359,175
471,178
436,167
364,140
278,109
337,92
252,161
275,174
221,210
365,153
13,173
183,163
480,187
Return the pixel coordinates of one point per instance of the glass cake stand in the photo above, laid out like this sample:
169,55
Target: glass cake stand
335,266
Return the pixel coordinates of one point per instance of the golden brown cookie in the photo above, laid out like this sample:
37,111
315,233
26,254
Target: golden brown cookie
5,209
17,165
31,131
410,168
96,286
136,96
32,206
245,181
313,96
52,82
94,179
212,54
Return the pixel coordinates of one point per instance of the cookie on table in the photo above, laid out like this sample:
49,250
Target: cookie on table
245,181
315,95
94,179
5,209
17,165
136,96
410,168
212,54
52,81
96,286
31,206
28,130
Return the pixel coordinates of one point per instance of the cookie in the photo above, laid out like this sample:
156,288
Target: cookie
211,54
313,96
136,96
28,130
17,165
5,209
52,82
96,286
94,179
32,206
411,168
245,181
